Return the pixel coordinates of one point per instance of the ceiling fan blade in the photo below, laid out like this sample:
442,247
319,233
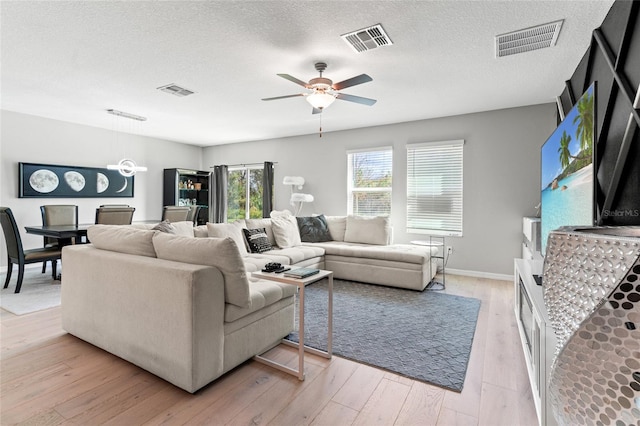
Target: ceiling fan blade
316,111
282,97
356,99
353,81
293,79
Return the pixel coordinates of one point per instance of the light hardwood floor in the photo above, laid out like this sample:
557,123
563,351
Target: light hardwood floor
51,378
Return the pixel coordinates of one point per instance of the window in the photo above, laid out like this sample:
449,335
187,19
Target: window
369,182
434,188
244,193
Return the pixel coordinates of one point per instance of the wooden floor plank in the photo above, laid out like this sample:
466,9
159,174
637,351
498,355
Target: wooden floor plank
303,408
335,414
51,378
358,389
422,405
500,407
384,405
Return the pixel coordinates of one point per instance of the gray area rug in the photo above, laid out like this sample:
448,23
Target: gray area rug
39,291
426,336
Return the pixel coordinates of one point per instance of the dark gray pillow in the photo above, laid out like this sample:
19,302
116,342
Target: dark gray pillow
313,229
257,240
165,226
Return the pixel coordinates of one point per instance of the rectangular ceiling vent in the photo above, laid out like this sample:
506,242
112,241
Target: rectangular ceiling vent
176,90
367,38
528,39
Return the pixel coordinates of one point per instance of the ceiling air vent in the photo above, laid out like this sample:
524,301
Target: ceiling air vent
529,39
176,90
367,38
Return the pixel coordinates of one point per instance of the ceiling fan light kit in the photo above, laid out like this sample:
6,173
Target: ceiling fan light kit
320,99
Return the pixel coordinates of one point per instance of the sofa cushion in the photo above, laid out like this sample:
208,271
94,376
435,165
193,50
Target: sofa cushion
263,293
123,239
313,229
222,253
224,230
285,231
257,240
337,227
367,230
397,252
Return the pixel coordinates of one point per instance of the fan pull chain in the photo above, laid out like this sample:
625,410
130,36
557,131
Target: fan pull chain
320,124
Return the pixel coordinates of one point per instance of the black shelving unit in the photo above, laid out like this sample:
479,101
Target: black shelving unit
184,187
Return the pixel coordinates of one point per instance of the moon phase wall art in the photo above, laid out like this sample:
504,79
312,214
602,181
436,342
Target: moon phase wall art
56,181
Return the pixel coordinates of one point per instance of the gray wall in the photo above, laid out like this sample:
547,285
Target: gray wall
501,175
31,139
501,171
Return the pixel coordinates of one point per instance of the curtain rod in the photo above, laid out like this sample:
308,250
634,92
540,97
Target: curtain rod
246,164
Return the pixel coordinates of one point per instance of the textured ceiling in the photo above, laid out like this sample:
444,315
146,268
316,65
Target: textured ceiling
73,60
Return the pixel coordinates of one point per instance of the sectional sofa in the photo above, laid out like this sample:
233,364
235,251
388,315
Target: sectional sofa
187,308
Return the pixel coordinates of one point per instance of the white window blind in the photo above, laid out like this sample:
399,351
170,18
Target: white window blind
434,188
369,181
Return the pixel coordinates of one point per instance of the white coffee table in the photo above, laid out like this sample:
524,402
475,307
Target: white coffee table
301,283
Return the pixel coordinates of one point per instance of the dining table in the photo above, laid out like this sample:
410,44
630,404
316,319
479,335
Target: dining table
60,232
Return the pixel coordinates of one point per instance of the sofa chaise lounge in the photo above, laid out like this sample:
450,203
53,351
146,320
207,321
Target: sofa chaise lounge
355,248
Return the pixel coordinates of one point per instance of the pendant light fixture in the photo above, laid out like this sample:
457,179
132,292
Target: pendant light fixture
127,167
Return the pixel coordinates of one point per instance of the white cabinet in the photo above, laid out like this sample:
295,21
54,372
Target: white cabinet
537,335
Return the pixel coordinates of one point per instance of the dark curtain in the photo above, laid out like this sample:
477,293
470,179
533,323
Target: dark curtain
219,196
267,189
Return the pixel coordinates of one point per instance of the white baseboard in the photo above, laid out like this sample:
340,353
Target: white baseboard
478,274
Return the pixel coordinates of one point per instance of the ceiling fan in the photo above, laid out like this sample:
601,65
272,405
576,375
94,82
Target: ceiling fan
322,91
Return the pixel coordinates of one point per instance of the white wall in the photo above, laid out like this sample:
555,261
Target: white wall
31,139
501,175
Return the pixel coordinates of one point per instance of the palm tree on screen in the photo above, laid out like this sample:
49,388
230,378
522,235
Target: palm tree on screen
565,155
584,120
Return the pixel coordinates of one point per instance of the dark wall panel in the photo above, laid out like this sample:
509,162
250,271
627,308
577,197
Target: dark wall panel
613,61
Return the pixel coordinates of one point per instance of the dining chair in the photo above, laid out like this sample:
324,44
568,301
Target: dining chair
17,255
114,215
194,211
175,213
58,214
114,205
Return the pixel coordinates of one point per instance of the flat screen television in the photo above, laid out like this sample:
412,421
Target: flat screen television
567,170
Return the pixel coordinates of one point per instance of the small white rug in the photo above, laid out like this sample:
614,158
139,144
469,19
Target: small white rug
39,291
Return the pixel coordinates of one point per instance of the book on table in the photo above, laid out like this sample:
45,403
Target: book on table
301,272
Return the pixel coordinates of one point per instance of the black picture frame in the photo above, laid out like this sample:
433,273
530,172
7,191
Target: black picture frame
58,181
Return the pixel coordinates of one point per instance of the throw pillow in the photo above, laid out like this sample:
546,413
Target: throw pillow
257,240
221,253
313,229
367,230
165,226
184,228
261,223
337,227
278,213
231,230
285,231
